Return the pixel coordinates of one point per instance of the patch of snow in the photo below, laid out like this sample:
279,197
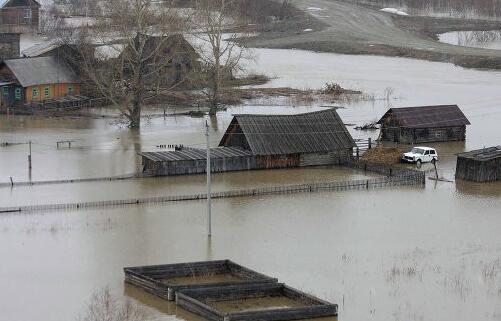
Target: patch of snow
314,9
80,21
394,11
108,51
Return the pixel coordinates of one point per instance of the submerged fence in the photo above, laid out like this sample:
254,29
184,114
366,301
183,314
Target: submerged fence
70,180
410,179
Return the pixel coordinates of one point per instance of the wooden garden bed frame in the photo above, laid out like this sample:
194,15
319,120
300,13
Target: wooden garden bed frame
198,301
154,278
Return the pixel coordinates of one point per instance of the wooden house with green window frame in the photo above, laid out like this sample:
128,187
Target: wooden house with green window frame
25,81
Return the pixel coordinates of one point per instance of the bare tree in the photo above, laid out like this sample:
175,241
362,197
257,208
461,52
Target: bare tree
128,53
104,307
221,57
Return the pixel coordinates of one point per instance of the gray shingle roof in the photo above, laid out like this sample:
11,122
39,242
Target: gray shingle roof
427,116
484,154
40,71
320,131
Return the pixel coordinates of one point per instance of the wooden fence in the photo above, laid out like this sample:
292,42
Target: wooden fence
409,179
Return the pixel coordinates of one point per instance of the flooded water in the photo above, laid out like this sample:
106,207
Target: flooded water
388,254
477,39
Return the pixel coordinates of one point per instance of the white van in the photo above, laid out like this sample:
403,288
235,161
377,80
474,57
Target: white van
421,155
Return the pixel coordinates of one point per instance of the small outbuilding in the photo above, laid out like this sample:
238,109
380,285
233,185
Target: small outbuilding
263,142
411,125
481,165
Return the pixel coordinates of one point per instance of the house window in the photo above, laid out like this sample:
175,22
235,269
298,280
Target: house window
70,89
47,91
34,92
17,93
5,90
27,14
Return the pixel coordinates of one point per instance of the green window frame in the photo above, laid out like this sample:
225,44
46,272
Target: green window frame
5,90
17,93
47,91
70,89
34,92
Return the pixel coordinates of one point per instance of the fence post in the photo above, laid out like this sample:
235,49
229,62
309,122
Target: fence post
358,153
370,143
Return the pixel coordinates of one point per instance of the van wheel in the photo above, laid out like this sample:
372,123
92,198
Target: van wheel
418,162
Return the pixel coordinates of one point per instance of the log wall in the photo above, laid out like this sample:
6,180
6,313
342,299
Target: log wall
478,171
422,135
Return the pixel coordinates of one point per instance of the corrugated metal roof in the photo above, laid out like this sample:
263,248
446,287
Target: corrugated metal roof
427,116
484,154
320,131
40,71
195,154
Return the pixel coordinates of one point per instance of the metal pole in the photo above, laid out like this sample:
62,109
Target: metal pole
209,210
29,156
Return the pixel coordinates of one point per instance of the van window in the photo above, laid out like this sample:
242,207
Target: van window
427,152
432,152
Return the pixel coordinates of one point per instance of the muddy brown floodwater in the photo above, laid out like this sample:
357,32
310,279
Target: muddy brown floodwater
429,253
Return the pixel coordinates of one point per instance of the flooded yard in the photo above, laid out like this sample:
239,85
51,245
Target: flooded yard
478,39
387,254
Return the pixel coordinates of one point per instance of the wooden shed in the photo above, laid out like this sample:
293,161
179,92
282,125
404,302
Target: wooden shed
315,138
194,161
412,125
481,165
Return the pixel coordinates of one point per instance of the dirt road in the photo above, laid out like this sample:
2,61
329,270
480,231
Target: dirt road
342,27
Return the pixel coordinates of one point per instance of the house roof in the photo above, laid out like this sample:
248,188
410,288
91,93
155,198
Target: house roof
484,154
18,3
427,116
320,131
40,71
41,48
195,154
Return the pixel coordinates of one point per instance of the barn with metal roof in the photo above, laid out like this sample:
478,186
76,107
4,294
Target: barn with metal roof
421,124
263,142
481,165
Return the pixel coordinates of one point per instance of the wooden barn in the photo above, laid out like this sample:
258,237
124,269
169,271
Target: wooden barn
481,165
411,125
316,138
263,142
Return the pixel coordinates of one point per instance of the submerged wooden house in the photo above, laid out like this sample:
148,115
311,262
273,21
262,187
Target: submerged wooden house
410,125
316,138
481,165
263,142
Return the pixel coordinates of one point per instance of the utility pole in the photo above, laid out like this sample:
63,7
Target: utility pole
29,156
209,209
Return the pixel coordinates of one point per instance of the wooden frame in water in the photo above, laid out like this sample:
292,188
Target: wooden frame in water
165,280
254,302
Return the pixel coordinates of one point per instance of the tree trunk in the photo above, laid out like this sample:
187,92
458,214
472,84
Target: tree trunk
214,104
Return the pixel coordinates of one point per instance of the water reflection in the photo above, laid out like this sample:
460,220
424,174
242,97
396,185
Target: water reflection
478,39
